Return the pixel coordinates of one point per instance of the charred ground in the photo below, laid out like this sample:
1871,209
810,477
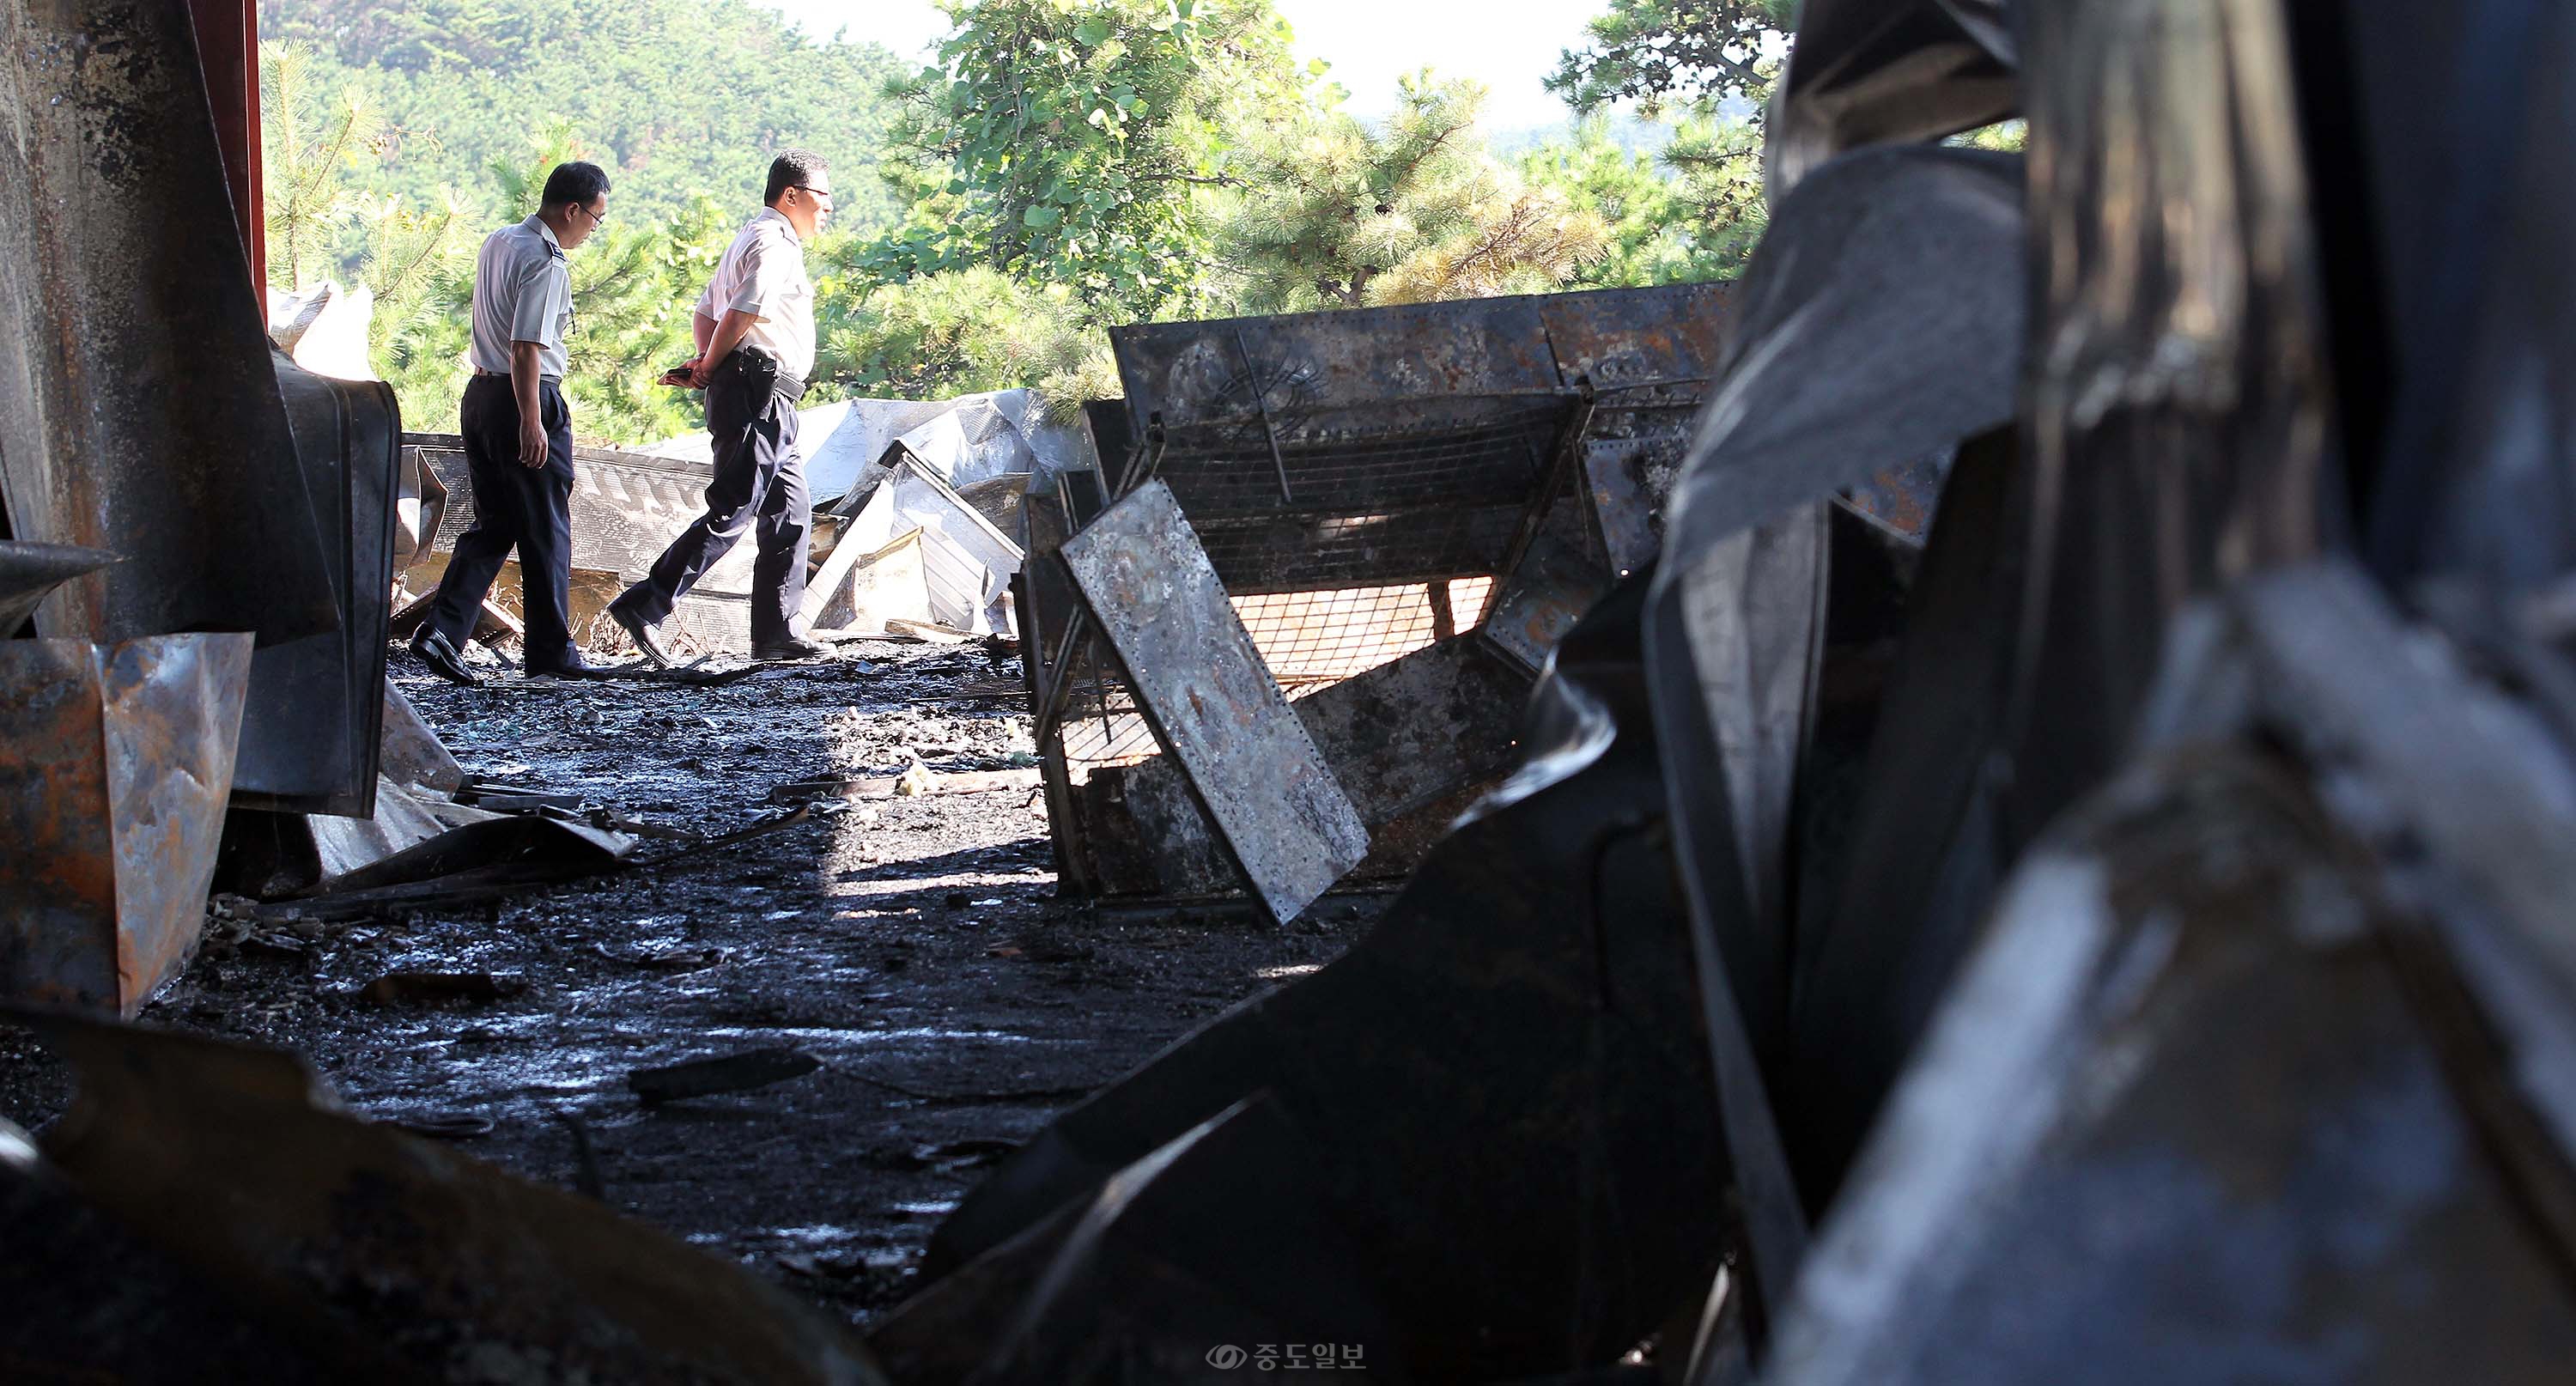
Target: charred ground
915,946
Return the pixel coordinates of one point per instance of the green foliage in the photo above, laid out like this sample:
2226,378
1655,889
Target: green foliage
676,98
1066,164
1652,52
313,143
1074,142
1706,58
1650,240
1342,213
1718,164
962,331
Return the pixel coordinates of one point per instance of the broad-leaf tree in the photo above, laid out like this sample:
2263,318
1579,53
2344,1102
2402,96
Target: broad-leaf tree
1075,142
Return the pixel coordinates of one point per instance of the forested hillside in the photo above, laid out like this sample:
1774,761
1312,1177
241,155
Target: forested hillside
1063,166
675,98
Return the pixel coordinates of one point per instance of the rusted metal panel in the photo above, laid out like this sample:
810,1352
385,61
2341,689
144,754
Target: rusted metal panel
311,740
29,571
1399,738
138,408
114,765
1212,702
1555,585
1409,443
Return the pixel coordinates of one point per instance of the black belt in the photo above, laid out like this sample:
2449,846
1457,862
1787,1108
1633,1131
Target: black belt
760,368
482,374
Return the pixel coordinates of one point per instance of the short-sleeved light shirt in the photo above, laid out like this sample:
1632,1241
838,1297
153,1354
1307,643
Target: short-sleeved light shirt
522,293
763,273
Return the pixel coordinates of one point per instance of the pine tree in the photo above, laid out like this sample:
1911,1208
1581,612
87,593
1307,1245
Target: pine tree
1341,214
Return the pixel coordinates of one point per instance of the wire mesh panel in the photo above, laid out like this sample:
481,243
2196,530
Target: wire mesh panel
1339,505
1311,639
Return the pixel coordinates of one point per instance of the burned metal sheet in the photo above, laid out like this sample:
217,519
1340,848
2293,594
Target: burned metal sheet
1151,1278
1867,72
2181,410
312,736
2185,1118
1399,738
114,763
139,411
398,1258
1881,322
413,754
1213,705
2463,790
28,572
1888,908
966,561
1504,1086
420,507
1404,444
1555,584
92,1301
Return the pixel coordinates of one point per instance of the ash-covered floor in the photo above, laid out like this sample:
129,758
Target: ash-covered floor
915,946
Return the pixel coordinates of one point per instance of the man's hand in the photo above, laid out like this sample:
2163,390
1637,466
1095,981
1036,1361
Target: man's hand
532,442
701,374
685,374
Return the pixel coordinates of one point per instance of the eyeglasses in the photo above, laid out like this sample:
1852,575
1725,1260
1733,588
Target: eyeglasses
823,193
596,218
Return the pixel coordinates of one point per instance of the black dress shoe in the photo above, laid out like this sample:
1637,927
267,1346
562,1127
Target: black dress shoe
442,658
642,634
573,668
793,647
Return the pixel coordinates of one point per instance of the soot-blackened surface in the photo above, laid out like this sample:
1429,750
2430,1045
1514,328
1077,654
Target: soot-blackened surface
914,945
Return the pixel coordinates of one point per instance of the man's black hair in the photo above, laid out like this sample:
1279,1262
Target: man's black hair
797,168
574,183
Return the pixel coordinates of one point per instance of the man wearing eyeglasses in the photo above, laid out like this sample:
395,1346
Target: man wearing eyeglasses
518,433
755,335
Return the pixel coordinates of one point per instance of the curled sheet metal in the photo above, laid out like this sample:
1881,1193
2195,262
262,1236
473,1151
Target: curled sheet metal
114,764
1866,72
138,408
1504,1085
1203,687
1879,322
396,1258
28,572
2185,1117
1888,908
312,738
2180,406
1135,1288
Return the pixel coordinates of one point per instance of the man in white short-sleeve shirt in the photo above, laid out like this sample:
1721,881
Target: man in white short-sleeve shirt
755,334
518,433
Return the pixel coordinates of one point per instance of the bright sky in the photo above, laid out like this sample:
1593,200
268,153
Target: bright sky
1506,44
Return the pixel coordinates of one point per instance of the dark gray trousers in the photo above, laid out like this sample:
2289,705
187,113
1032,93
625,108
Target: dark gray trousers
515,507
759,488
